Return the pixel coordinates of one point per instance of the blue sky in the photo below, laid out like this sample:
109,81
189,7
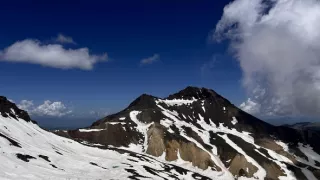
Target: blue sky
128,31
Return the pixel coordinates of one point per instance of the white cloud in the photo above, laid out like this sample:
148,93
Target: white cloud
277,43
64,39
51,55
250,107
48,108
26,105
150,60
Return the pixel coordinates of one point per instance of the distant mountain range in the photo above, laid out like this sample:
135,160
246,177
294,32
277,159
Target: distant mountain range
192,134
314,126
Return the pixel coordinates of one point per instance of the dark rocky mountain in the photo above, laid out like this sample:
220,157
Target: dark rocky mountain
197,126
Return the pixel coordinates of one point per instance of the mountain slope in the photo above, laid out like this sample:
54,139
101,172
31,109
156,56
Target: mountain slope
201,128
29,152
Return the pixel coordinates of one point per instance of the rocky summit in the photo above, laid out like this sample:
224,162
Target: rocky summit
192,134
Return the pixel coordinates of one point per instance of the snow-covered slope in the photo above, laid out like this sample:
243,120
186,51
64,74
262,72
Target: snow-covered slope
197,128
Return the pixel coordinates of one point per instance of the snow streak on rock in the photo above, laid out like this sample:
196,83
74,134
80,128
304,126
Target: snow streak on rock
142,128
261,173
177,102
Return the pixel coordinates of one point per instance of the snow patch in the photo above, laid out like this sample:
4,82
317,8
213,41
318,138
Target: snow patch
90,130
234,120
308,174
114,123
283,145
90,144
166,123
308,151
176,102
133,147
279,157
204,110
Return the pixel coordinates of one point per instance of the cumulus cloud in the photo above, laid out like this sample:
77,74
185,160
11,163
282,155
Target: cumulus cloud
277,43
250,107
64,39
48,108
150,60
26,105
51,55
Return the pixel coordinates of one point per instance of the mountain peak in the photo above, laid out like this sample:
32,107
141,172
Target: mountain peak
143,101
192,92
3,99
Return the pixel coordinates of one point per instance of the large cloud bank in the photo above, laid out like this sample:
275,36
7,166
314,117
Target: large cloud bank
277,43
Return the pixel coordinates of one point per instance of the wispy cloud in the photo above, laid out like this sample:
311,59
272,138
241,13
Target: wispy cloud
150,60
213,63
51,55
99,113
26,105
64,39
277,44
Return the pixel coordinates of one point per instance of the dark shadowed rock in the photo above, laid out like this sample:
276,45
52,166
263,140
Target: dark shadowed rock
8,108
12,142
144,101
24,157
44,157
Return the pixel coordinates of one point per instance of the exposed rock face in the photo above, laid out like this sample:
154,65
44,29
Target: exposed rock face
159,145
239,166
156,143
8,108
200,127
